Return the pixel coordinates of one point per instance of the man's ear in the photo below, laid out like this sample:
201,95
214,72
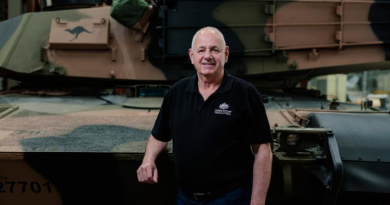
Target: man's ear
190,54
226,54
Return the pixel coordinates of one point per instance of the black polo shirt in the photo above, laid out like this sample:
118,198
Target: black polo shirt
212,138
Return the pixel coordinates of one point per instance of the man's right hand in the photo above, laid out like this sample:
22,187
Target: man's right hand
147,173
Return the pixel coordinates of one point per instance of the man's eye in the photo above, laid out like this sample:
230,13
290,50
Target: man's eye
200,51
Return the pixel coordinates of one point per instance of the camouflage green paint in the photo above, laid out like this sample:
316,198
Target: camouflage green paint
26,42
8,28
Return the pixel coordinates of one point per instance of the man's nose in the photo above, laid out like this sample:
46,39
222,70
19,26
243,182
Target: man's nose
207,55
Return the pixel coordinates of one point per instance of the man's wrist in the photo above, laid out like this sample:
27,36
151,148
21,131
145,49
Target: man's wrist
148,160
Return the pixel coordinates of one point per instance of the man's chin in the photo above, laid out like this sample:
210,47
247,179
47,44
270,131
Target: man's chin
208,71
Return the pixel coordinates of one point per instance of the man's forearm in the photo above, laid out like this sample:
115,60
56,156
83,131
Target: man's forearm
153,148
261,174
147,172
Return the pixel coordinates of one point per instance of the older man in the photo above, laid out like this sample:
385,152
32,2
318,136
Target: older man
220,132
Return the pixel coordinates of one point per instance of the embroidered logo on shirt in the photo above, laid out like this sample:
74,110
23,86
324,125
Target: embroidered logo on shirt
223,109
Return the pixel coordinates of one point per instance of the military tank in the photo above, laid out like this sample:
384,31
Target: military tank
75,129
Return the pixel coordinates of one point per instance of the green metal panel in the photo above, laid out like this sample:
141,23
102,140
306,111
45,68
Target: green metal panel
31,36
8,47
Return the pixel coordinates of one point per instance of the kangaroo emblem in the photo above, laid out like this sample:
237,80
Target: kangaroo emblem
77,31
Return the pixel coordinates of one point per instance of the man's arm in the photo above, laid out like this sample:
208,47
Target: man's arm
261,172
147,172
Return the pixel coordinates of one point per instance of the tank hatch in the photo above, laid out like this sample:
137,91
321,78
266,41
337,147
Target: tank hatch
83,34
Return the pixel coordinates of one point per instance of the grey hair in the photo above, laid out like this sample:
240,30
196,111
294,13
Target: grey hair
210,28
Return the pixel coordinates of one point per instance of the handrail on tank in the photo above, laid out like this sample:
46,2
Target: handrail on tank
338,173
294,130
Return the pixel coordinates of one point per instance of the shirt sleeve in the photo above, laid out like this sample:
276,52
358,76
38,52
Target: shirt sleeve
161,129
257,123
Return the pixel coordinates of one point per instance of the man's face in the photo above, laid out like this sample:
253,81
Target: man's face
208,53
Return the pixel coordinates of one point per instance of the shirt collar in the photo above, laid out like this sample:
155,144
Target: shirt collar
225,86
